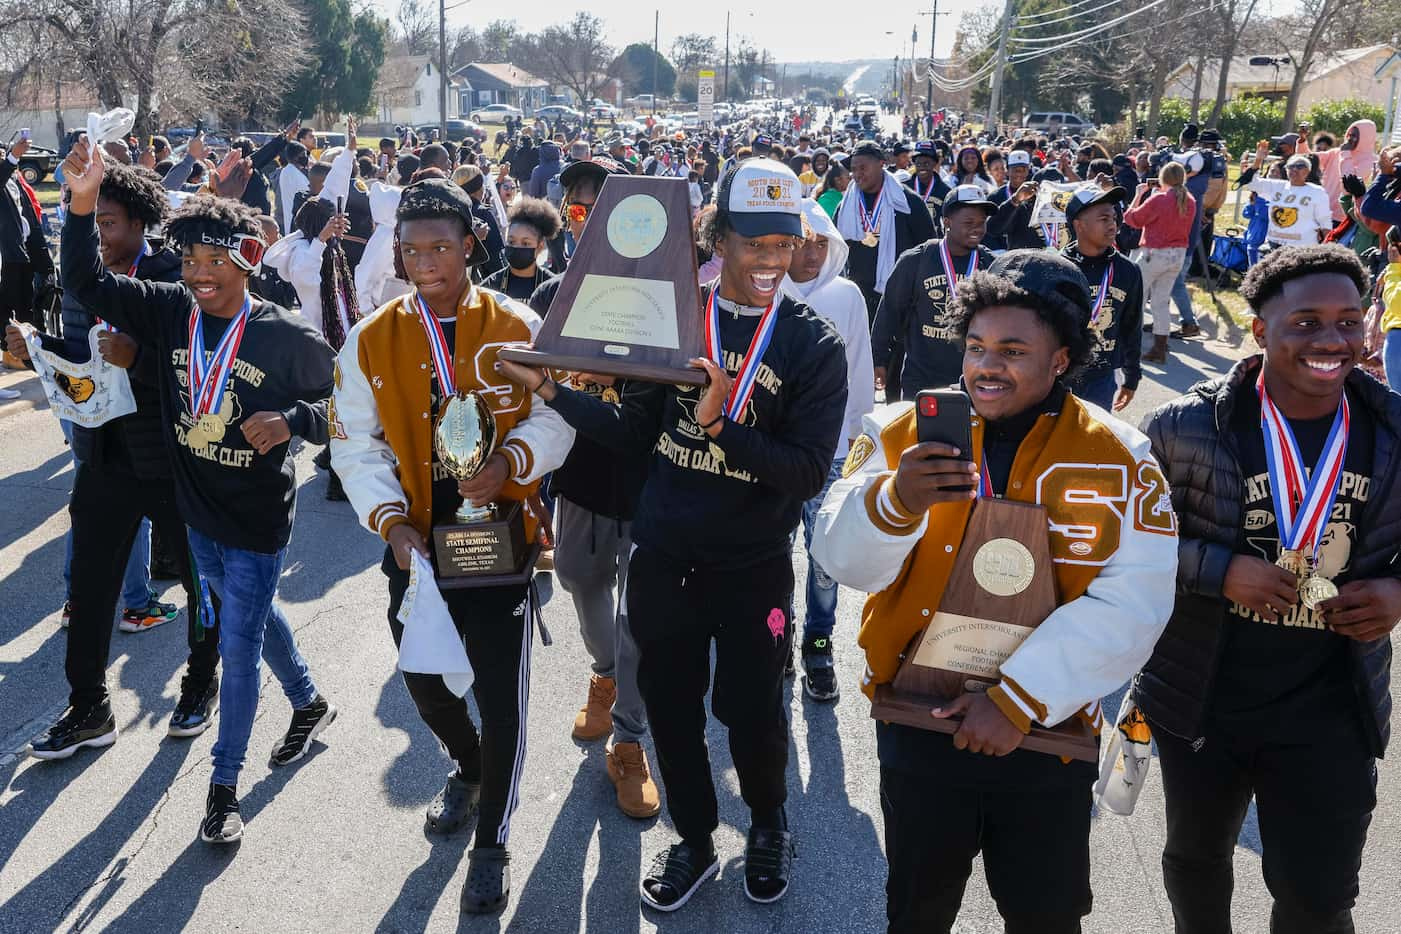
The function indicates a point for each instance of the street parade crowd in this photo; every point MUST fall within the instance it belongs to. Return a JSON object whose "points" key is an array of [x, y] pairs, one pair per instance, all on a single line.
{"points": [[1234, 557]]}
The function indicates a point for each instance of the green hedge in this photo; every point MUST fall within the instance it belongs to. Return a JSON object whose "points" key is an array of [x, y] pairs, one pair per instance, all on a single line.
{"points": [[1247, 120]]}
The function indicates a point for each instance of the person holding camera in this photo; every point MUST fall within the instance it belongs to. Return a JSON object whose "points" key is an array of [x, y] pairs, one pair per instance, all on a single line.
{"points": [[1165, 217]]}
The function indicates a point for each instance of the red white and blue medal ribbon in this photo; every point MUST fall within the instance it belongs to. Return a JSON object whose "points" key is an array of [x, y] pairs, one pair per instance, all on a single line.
{"points": [[746, 378], [924, 195], [438, 347], [984, 482], [946, 257], [207, 379], [869, 221], [1105, 282], [1052, 234], [1302, 504]]}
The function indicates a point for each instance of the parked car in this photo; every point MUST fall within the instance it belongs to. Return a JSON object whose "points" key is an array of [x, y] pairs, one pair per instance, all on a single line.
{"points": [[496, 113], [557, 112], [37, 164], [1053, 121], [602, 111], [458, 130]]}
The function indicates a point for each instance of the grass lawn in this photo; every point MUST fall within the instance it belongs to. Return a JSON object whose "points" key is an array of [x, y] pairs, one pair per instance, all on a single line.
{"points": [[47, 192]]}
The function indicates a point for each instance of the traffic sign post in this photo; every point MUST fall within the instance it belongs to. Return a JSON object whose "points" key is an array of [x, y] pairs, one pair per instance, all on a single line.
{"points": [[705, 96]]}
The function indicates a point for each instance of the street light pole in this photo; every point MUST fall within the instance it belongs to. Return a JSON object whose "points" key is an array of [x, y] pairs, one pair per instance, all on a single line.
{"points": [[656, 54], [725, 94], [995, 104], [442, 69]]}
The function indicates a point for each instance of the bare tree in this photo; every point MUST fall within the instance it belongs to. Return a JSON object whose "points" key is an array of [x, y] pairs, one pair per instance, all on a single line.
{"points": [[418, 26], [574, 55], [1232, 18]]}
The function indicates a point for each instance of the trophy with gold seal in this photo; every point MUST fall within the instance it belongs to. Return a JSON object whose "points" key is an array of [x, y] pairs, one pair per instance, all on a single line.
{"points": [[483, 546]]}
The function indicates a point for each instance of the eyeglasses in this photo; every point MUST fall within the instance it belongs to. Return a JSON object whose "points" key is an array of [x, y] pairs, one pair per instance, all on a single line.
{"points": [[578, 212]]}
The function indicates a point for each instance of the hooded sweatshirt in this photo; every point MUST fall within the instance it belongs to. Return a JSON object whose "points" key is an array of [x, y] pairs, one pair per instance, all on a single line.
{"points": [[298, 260], [548, 167], [375, 281], [839, 300], [1334, 163]]}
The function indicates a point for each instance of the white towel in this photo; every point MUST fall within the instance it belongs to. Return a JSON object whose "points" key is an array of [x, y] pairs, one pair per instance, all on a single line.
{"points": [[849, 223], [431, 643]]}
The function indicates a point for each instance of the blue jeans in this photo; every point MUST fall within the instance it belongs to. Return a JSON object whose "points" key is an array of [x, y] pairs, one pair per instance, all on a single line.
{"points": [[1180, 297], [1391, 359], [136, 583], [1099, 387], [821, 614], [251, 628]]}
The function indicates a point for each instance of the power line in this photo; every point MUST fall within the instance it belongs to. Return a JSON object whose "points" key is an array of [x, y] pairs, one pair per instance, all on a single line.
{"points": [[1028, 56], [1020, 26], [1092, 30], [1044, 13]]}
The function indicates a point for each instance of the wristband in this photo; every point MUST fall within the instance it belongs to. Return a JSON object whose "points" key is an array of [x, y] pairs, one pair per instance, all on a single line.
{"points": [[718, 418]]}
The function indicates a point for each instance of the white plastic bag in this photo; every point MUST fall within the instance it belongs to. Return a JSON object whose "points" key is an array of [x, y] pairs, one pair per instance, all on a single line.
{"points": [[431, 644]]}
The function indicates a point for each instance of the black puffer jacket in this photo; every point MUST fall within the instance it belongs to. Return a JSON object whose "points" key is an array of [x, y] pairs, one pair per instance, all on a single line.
{"points": [[1192, 442], [141, 433]]}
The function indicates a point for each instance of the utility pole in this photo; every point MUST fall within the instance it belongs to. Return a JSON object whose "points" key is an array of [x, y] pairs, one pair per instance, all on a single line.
{"points": [[995, 104], [442, 69], [656, 54], [725, 93], [933, 15]]}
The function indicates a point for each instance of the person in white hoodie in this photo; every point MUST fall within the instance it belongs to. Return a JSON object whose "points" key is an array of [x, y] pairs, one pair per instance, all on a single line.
{"points": [[815, 278], [376, 280]]}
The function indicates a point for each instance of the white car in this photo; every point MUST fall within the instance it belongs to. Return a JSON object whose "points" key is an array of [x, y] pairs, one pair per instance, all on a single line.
{"points": [[496, 113]]}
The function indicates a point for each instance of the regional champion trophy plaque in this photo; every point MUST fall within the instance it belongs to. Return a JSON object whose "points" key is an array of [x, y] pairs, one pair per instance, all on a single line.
{"points": [[1001, 588], [629, 304]]}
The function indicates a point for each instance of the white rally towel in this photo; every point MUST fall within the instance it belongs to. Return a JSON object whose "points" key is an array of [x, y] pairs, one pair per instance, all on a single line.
{"points": [[431, 644], [109, 127], [88, 394], [1051, 199], [849, 223], [1124, 765]]}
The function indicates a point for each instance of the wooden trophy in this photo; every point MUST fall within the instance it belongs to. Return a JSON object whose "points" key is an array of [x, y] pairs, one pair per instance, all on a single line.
{"points": [[629, 304], [1001, 588]]}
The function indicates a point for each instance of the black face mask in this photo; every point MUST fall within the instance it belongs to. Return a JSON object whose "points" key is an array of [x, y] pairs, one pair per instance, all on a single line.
{"points": [[520, 257]]}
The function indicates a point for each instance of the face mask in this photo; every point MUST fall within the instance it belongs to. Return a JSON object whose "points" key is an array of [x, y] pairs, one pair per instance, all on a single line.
{"points": [[520, 257]]}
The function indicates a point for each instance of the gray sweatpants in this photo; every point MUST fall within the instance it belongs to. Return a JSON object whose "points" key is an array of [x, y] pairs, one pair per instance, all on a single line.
{"points": [[591, 557]]}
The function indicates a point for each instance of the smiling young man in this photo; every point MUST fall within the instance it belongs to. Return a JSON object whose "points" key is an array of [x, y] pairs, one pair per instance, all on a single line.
{"points": [[395, 373], [914, 312], [1273, 676], [893, 527], [732, 465], [257, 375], [1117, 313], [123, 478], [928, 184]]}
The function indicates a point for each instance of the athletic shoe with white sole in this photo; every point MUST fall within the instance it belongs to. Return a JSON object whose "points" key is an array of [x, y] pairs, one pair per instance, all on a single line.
{"points": [[819, 671], [768, 861], [222, 822], [153, 614], [675, 875], [195, 711], [78, 727], [307, 724]]}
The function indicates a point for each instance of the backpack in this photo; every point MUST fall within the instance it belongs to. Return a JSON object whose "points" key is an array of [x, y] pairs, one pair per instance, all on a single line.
{"points": [[1215, 195], [554, 190]]}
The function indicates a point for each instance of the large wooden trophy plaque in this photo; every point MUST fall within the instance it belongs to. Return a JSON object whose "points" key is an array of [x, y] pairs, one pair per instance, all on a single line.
{"points": [[1001, 588], [629, 304]]}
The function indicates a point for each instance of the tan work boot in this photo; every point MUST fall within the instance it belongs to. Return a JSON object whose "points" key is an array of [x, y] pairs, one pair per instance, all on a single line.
{"points": [[595, 718], [637, 793], [1158, 353]]}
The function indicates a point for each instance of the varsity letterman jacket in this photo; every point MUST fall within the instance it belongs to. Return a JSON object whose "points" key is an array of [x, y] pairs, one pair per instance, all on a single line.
{"points": [[381, 424], [1113, 540]]}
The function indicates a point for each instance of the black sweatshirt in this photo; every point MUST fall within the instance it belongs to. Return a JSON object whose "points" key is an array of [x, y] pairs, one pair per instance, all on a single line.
{"points": [[914, 311], [1116, 340], [700, 511], [227, 492], [911, 229]]}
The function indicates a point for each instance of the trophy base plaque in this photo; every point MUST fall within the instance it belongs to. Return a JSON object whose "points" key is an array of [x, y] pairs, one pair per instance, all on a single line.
{"points": [[1001, 588], [489, 553], [628, 369]]}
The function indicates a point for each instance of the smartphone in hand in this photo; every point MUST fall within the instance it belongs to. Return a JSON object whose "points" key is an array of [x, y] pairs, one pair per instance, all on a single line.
{"points": [[945, 416]]}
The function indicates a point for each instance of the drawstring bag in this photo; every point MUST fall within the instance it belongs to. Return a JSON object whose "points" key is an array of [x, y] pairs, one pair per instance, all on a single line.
{"points": [[1124, 765]]}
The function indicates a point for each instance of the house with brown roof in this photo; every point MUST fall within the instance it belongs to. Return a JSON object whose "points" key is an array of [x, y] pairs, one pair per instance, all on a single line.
{"points": [[501, 83]]}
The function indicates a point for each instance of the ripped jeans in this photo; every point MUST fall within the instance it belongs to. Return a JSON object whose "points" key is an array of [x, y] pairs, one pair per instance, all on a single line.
{"points": [[821, 614]]}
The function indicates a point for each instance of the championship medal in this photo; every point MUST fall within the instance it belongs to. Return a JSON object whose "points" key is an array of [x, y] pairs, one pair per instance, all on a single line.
{"points": [[207, 380], [869, 221], [946, 258], [746, 378], [1303, 504], [871, 239], [610, 395]]}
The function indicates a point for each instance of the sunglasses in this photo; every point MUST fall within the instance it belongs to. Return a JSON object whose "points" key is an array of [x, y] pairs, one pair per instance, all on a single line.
{"points": [[578, 213]]}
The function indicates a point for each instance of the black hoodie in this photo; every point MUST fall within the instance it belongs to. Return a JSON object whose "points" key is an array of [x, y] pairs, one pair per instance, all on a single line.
{"points": [[1117, 339]]}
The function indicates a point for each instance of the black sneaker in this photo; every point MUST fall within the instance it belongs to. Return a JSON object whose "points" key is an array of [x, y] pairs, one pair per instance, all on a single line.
{"points": [[307, 724], [675, 875], [488, 885], [454, 806], [768, 860], [78, 727], [222, 823], [195, 711], [819, 672], [334, 491]]}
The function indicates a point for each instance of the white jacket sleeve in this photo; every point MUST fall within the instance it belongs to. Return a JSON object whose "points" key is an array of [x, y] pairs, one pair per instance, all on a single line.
{"points": [[541, 441], [376, 266], [860, 371], [861, 537], [360, 455], [304, 274], [1090, 646]]}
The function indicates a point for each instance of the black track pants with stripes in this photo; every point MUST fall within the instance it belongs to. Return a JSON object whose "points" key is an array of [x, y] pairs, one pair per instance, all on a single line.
{"points": [[492, 621]]}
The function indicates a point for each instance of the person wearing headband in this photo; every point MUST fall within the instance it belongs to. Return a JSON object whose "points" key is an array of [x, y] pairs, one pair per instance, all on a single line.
{"points": [[239, 378], [730, 466], [396, 372]]}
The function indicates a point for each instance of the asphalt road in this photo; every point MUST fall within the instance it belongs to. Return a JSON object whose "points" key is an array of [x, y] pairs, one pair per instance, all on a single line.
{"points": [[108, 840]]}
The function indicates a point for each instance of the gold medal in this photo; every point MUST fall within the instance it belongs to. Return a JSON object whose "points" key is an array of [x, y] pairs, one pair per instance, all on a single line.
{"points": [[1293, 561], [196, 439], [1314, 590], [210, 426], [610, 395], [871, 239]]}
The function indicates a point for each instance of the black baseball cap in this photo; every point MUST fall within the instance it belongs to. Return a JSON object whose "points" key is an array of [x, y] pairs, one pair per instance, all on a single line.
{"points": [[870, 148], [599, 166], [1091, 195]]}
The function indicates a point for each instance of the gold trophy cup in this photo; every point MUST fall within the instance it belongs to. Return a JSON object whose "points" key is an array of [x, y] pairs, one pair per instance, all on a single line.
{"points": [[483, 545]]}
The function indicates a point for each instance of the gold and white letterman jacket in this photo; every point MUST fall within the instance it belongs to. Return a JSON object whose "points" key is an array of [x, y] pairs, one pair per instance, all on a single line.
{"points": [[1113, 541], [380, 421]]}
